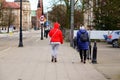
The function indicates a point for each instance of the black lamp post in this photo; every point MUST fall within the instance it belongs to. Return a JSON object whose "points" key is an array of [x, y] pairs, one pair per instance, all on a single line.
{"points": [[42, 31], [20, 34]]}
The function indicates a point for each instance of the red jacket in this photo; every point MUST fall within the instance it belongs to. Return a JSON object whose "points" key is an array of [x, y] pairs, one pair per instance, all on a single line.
{"points": [[56, 34]]}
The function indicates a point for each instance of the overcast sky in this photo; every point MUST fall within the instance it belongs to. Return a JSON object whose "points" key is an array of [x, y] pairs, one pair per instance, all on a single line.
{"points": [[34, 4]]}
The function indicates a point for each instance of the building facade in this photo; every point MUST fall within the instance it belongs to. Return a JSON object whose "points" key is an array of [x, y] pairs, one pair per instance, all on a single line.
{"points": [[9, 15], [12, 9], [26, 17]]}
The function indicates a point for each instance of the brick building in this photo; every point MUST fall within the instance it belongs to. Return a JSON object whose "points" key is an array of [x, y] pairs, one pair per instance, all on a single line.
{"points": [[39, 12]]}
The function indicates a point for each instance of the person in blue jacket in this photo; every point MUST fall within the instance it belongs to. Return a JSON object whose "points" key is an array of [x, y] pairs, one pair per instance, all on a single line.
{"points": [[82, 46]]}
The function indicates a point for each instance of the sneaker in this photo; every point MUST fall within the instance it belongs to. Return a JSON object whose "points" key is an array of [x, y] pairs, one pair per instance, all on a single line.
{"points": [[52, 59], [84, 62], [55, 59], [81, 60]]}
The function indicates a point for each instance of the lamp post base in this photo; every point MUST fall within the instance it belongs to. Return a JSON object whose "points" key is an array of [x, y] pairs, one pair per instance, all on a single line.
{"points": [[42, 31], [20, 44]]}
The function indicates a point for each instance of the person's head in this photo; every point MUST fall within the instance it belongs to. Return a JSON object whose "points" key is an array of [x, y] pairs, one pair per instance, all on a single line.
{"points": [[82, 27], [56, 25]]}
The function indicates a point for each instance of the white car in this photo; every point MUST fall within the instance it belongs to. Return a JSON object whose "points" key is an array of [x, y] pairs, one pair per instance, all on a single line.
{"points": [[113, 37]]}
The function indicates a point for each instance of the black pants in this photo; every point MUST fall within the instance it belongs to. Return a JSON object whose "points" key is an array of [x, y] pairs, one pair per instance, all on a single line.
{"points": [[83, 54], [46, 33]]}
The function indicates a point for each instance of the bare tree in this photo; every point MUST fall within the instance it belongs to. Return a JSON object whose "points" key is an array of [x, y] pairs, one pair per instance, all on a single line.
{"points": [[65, 11], [8, 17], [1, 10]]}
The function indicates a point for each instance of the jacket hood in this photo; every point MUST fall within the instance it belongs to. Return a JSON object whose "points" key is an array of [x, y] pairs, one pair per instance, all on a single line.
{"points": [[82, 30], [56, 25]]}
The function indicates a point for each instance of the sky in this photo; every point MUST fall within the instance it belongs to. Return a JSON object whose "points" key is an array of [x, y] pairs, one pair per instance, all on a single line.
{"points": [[46, 4]]}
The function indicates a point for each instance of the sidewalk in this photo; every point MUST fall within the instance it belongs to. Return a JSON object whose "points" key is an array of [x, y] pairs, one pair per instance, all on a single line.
{"points": [[34, 63]]}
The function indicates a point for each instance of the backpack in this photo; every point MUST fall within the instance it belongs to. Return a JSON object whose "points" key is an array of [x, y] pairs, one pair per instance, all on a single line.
{"points": [[84, 37]]}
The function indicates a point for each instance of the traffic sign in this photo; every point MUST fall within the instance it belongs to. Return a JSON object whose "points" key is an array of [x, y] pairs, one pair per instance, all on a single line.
{"points": [[42, 19]]}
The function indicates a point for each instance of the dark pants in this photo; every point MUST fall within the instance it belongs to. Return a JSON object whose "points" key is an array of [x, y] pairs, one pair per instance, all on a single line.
{"points": [[83, 54], [46, 33]]}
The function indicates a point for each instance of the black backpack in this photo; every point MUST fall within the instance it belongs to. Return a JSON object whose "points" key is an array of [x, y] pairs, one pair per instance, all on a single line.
{"points": [[84, 37]]}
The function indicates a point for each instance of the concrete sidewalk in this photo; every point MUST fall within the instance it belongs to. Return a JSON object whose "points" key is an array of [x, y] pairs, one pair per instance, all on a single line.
{"points": [[34, 63]]}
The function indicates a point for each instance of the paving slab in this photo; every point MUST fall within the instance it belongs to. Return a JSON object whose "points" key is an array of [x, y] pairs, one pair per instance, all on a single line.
{"points": [[34, 63]]}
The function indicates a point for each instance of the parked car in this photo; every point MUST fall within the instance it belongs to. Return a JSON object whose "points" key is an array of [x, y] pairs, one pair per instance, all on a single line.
{"points": [[113, 37]]}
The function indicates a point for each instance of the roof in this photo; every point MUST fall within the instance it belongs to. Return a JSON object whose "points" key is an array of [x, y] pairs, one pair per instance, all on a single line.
{"points": [[11, 5]]}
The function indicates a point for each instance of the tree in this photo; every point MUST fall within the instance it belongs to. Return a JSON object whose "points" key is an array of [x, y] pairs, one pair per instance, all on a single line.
{"points": [[107, 15], [78, 18], [63, 9], [58, 14], [1, 5], [66, 4]]}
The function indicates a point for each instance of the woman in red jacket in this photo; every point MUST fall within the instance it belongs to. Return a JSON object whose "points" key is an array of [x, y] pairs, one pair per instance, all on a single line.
{"points": [[56, 39]]}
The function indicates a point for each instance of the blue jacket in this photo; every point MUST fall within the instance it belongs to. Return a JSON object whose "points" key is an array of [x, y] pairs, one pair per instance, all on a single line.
{"points": [[80, 44]]}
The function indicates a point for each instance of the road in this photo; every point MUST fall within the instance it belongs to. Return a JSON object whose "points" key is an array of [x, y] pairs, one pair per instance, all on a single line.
{"points": [[12, 40], [108, 59]]}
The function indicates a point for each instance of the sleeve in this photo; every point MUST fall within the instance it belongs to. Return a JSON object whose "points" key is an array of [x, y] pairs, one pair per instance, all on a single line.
{"points": [[50, 33]]}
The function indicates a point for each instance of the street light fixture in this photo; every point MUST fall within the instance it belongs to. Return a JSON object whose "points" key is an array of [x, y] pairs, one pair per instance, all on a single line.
{"points": [[20, 34]]}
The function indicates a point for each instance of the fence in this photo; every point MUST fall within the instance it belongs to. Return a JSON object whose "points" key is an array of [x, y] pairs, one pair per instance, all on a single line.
{"points": [[95, 34]]}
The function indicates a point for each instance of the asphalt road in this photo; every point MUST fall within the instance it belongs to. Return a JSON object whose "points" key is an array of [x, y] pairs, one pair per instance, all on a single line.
{"points": [[108, 61], [12, 40]]}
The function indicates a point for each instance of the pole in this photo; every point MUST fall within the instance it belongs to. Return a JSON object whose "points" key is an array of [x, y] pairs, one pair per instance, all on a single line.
{"points": [[94, 56], [20, 34], [47, 15], [72, 22], [42, 24], [42, 31]]}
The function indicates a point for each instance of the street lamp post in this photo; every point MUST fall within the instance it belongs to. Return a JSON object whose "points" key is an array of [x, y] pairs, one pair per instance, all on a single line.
{"points": [[42, 31], [42, 23], [20, 34]]}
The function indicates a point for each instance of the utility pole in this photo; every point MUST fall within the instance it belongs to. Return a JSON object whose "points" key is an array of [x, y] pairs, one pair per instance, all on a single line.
{"points": [[72, 22]]}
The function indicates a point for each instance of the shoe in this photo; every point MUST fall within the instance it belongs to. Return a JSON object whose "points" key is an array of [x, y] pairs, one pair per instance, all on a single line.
{"points": [[81, 60], [52, 59], [55, 59], [84, 62]]}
